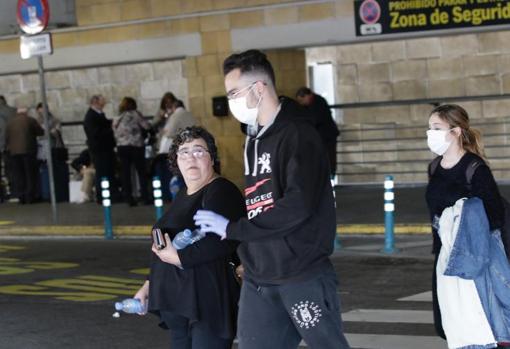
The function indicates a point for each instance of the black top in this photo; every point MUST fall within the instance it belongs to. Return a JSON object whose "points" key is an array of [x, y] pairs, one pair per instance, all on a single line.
{"points": [[99, 132], [204, 290], [446, 186], [321, 118], [291, 224]]}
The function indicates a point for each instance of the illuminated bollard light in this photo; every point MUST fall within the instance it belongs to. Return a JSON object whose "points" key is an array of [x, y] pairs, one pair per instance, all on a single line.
{"points": [[158, 200], [389, 208], [337, 244], [107, 202]]}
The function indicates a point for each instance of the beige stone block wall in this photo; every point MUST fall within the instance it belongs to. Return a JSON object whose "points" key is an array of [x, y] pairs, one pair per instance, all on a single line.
{"points": [[69, 91], [448, 66]]}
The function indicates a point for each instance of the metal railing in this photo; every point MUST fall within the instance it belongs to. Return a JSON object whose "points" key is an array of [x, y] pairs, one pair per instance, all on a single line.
{"points": [[496, 129]]}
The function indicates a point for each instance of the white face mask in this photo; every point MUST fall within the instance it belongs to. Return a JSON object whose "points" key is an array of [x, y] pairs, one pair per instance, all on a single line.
{"points": [[239, 108], [436, 140]]}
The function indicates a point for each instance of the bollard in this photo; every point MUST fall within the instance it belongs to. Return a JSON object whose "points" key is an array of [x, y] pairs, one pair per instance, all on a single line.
{"points": [[158, 201], [337, 244], [389, 208], [107, 202]]}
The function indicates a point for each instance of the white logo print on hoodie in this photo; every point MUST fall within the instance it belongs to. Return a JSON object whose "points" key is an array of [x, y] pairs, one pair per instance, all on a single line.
{"points": [[265, 162]]}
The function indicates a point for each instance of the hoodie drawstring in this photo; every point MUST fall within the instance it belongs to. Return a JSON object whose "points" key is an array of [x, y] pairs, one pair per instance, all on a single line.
{"points": [[246, 164], [255, 158]]}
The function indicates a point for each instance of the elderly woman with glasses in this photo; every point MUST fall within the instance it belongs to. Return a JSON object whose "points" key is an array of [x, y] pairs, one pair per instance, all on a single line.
{"points": [[193, 289]]}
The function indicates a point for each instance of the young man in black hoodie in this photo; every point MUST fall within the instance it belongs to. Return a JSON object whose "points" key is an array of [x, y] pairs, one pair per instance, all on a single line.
{"points": [[289, 288]]}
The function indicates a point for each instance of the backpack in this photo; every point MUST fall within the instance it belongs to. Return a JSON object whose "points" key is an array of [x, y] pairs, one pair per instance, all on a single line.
{"points": [[470, 171]]}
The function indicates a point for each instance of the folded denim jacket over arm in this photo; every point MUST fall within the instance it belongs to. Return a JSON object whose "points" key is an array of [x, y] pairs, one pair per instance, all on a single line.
{"points": [[478, 254]]}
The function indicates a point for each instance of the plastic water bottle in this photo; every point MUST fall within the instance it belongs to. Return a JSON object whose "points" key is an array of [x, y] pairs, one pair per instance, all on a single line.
{"points": [[175, 186], [131, 306], [186, 237]]}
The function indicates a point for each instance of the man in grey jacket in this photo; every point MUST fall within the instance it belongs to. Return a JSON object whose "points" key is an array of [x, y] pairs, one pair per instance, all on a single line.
{"points": [[6, 113]]}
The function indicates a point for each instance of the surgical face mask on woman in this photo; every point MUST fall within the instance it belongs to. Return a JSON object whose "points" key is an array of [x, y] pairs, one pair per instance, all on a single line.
{"points": [[239, 108], [436, 140]]}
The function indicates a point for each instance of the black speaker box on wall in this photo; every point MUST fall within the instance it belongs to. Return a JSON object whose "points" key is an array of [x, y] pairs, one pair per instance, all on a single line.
{"points": [[220, 106]]}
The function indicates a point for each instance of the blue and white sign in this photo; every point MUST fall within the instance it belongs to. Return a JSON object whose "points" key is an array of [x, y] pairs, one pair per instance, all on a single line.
{"points": [[33, 15]]}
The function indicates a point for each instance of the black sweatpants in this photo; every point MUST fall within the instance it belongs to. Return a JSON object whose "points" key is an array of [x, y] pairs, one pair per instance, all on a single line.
{"points": [[280, 316]]}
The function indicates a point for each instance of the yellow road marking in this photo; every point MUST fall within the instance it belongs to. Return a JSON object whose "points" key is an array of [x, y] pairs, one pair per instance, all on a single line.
{"points": [[343, 229], [7, 248], [144, 230], [7, 222]]}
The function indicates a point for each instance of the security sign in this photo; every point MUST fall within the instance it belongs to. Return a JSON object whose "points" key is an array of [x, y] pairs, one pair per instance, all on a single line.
{"points": [[33, 15], [379, 17]]}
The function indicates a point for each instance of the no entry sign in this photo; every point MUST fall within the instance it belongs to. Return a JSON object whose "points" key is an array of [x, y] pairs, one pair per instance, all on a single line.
{"points": [[33, 15]]}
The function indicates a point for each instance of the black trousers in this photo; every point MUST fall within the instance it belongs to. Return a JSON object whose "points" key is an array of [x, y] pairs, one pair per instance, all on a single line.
{"points": [[24, 172], [197, 335], [104, 162], [128, 156], [280, 316]]}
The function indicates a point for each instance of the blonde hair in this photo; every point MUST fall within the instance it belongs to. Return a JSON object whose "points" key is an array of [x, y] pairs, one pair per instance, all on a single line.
{"points": [[456, 116]]}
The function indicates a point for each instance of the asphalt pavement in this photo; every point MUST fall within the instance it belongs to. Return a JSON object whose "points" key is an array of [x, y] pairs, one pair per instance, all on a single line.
{"points": [[59, 282]]}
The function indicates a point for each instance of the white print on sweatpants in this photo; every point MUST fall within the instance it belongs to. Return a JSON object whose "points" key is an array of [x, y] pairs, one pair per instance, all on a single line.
{"points": [[306, 314]]}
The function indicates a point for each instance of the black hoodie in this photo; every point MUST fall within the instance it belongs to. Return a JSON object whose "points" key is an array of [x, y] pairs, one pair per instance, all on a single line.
{"points": [[291, 224]]}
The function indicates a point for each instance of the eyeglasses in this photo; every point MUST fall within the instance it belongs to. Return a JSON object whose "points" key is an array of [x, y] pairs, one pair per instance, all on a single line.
{"points": [[197, 153], [234, 94]]}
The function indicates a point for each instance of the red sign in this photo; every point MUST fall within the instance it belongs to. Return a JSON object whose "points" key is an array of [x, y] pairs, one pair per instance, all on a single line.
{"points": [[33, 15]]}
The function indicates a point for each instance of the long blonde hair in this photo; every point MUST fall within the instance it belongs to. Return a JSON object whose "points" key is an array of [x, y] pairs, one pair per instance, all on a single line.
{"points": [[456, 116]]}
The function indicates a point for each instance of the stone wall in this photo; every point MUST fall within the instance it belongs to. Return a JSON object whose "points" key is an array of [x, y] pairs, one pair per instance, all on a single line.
{"points": [[438, 67], [115, 22], [68, 91]]}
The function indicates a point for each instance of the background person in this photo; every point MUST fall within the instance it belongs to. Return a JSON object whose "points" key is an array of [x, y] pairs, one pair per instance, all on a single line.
{"points": [[322, 119], [101, 144], [199, 302], [177, 119], [289, 285], [21, 143], [128, 129], [6, 113], [86, 170], [457, 145]]}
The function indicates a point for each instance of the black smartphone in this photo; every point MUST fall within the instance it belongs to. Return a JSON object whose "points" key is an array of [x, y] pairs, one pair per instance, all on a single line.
{"points": [[158, 239]]}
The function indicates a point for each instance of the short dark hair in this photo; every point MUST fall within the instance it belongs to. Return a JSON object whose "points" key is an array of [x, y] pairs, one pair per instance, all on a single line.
{"points": [[187, 135], [167, 100], [303, 91], [2, 100], [251, 61], [127, 104], [179, 104], [95, 98]]}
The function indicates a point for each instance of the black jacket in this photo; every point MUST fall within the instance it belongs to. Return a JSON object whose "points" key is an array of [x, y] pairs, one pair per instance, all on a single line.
{"points": [[291, 224], [321, 117], [205, 290], [446, 186], [99, 132]]}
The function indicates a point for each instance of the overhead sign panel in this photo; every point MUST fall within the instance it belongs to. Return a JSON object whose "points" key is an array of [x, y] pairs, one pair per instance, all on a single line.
{"points": [[379, 17], [33, 15]]}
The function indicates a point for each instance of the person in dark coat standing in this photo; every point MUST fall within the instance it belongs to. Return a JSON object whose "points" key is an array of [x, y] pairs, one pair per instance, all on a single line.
{"points": [[101, 143], [321, 118], [21, 143], [6, 113]]}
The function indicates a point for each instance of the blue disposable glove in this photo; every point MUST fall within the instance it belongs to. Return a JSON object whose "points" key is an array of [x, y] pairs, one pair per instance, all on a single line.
{"points": [[210, 222]]}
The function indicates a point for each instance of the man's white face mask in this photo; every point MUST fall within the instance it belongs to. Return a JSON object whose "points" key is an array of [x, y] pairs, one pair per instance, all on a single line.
{"points": [[239, 107], [436, 140]]}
